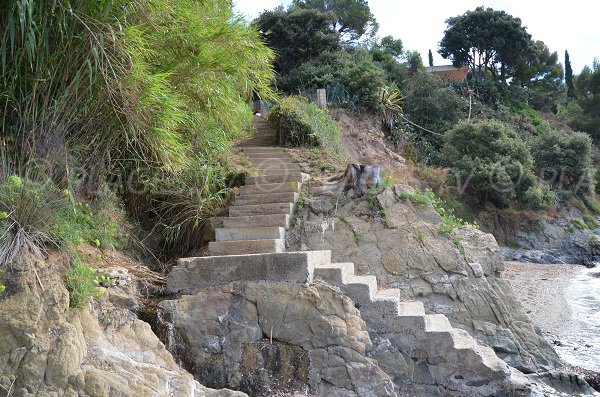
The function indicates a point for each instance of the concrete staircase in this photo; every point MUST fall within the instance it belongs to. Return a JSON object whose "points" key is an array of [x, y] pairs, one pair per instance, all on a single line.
{"points": [[261, 212], [251, 247], [407, 325]]}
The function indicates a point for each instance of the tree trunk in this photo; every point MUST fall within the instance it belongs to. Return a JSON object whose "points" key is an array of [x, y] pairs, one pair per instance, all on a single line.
{"points": [[361, 177]]}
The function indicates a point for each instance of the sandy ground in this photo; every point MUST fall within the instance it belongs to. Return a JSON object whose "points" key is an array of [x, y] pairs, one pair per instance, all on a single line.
{"points": [[540, 288]]}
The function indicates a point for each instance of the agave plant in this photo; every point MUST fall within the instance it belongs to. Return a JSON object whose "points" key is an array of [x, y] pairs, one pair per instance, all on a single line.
{"points": [[391, 102]]}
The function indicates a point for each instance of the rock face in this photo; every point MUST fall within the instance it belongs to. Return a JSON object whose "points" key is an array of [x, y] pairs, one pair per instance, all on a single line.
{"points": [[266, 338], [563, 239], [50, 350], [455, 275]]}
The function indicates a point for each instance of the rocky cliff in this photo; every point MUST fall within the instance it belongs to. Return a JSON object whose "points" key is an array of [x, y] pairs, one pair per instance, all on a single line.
{"points": [[50, 350], [453, 274]]}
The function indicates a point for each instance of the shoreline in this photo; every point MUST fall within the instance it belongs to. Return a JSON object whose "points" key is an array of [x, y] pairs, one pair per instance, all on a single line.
{"points": [[541, 289]]}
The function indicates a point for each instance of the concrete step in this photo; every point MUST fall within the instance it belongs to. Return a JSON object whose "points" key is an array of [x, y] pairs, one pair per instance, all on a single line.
{"points": [[411, 309], [271, 188], [261, 209], [280, 155], [361, 289], [278, 168], [437, 323], [246, 247], [281, 220], [262, 149], [191, 275], [335, 273], [462, 339], [249, 233], [279, 178], [278, 171], [266, 198]]}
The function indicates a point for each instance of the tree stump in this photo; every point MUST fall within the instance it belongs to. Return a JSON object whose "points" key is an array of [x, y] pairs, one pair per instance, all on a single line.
{"points": [[361, 177]]}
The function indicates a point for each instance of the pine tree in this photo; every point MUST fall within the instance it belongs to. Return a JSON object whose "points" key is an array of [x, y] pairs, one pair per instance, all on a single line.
{"points": [[430, 58], [569, 77]]}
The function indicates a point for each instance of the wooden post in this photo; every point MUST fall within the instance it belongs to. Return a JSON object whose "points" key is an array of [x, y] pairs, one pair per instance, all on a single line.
{"points": [[322, 98]]}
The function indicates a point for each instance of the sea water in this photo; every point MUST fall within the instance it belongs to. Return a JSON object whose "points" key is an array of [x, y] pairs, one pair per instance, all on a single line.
{"points": [[583, 296]]}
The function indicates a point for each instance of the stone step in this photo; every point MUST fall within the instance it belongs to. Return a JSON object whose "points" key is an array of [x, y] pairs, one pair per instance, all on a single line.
{"points": [[261, 209], [246, 247], [385, 304], [335, 273], [281, 220], [280, 178], [249, 233], [271, 188], [266, 198], [191, 275]]}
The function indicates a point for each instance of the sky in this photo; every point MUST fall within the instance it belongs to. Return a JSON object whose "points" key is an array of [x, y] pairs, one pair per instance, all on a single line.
{"points": [[568, 24]]}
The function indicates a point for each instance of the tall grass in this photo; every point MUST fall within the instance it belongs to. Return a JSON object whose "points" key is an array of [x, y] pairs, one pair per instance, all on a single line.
{"points": [[119, 86]]}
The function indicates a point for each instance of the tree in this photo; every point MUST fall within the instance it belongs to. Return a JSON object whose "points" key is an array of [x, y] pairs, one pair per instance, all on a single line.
{"points": [[430, 58], [387, 49], [487, 40], [352, 19], [569, 77], [297, 35], [587, 90], [540, 71], [489, 160], [565, 161]]}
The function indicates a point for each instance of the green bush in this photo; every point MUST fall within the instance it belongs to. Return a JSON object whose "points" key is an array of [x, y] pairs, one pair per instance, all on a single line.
{"points": [[27, 212], [83, 284], [525, 111], [490, 161], [302, 123], [431, 102], [355, 71], [538, 197], [565, 161]]}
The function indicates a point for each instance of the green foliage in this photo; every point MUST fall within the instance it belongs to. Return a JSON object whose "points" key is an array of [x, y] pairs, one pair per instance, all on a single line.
{"points": [[591, 221], [360, 77], [579, 224], [430, 57], [297, 35], [2, 288], [569, 77], [391, 104], [352, 19], [387, 49], [83, 284], [538, 197], [490, 161], [99, 224], [431, 102], [371, 197], [421, 236], [486, 40], [302, 123], [585, 113], [525, 111], [565, 161], [27, 211]]}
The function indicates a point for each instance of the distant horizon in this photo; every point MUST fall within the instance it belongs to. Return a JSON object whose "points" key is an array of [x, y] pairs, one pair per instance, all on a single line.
{"points": [[580, 37]]}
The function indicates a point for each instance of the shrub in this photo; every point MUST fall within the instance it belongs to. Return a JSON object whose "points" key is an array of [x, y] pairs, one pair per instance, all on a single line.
{"points": [[490, 161], [302, 123], [27, 212], [82, 283], [431, 102], [355, 71], [538, 197], [565, 161], [525, 111]]}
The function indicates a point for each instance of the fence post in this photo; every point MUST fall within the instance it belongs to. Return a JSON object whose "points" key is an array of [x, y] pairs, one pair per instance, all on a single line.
{"points": [[322, 98]]}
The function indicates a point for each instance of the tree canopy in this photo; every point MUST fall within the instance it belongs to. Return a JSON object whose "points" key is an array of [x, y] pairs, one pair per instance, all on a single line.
{"points": [[352, 19], [487, 40]]}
